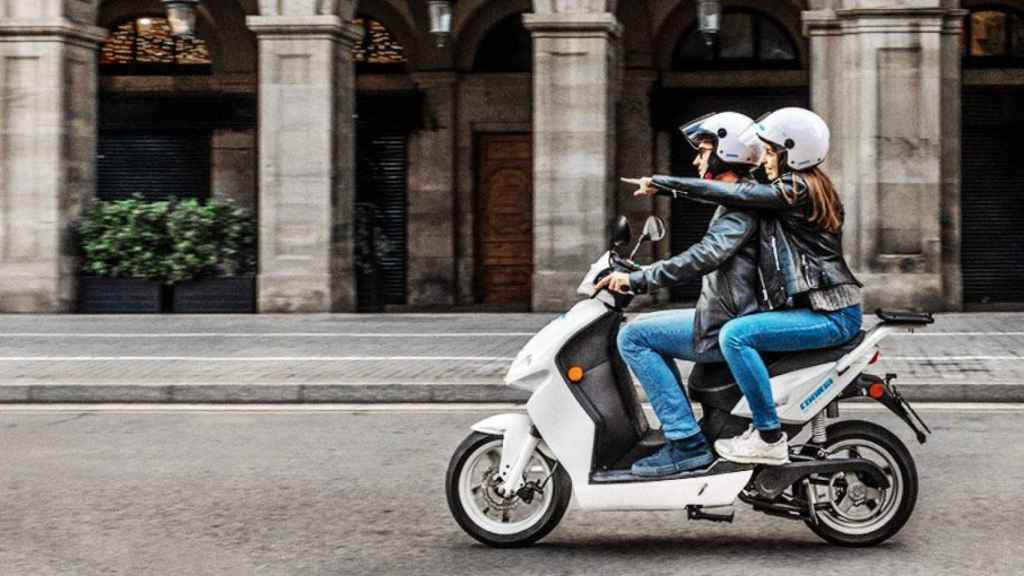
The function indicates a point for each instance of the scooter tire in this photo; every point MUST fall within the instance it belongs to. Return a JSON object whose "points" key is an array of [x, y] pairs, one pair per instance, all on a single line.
{"points": [[559, 484], [853, 430]]}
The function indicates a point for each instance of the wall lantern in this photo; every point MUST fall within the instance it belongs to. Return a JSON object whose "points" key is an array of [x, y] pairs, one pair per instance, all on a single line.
{"points": [[440, 20], [709, 13], [181, 15]]}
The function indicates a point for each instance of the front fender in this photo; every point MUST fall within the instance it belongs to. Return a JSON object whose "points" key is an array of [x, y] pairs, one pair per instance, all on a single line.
{"points": [[514, 428], [498, 424]]}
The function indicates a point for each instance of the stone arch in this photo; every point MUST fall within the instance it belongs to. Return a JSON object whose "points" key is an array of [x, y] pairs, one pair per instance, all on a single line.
{"points": [[476, 24], [638, 41], [342, 8], [669, 32], [574, 6], [399, 25], [976, 4], [221, 23]]}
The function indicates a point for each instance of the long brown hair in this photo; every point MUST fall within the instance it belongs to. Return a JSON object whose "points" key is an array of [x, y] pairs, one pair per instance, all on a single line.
{"points": [[826, 206]]}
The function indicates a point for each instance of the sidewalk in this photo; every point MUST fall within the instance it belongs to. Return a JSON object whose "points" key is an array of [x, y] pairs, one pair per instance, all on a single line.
{"points": [[412, 358]]}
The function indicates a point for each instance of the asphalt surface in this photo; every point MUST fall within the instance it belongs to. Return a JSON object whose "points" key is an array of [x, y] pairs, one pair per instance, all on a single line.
{"points": [[361, 492], [398, 358]]}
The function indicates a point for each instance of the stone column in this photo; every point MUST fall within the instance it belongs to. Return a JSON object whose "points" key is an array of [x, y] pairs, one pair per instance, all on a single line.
{"points": [[574, 88], [233, 166], [306, 163], [636, 145], [887, 82], [431, 225], [48, 115]]}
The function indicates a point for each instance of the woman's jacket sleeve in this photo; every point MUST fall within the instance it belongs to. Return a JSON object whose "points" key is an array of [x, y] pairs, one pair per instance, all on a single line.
{"points": [[784, 193], [726, 234]]}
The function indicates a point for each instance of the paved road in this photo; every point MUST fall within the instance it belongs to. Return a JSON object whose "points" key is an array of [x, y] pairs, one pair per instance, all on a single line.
{"points": [[352, 493], [410, 358]]}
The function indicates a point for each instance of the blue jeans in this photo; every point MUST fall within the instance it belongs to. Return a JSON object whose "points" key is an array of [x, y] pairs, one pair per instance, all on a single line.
{"points": [[649, 344], [779, 331]]}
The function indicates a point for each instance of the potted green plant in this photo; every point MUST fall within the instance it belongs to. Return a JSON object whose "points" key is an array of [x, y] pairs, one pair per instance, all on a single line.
{"points": [[212, 263], [124, 248]]}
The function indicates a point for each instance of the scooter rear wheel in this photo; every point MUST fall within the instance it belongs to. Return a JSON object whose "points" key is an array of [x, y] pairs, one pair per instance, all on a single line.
{"points": [[492, 518], [858, 514]]}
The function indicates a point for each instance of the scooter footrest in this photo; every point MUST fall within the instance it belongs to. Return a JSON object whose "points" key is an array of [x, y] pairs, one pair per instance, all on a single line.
{"points": [[698, 513], [625, 476]]}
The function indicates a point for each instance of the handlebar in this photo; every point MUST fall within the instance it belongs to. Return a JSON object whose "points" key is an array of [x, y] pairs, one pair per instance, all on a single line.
{"points": [[625, 265]]}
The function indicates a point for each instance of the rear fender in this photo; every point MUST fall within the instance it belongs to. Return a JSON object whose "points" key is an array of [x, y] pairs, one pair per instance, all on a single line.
{"points": [[888, 396]]}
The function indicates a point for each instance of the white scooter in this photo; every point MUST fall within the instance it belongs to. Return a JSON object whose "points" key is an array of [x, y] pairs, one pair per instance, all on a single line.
{"points": [[854, 483]]}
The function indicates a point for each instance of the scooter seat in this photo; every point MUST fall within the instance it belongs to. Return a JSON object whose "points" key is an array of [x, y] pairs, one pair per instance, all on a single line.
{"points": [[712, 384]]}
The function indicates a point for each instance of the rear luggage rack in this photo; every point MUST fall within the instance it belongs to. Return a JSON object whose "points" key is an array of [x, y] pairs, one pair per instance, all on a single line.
{"points": [[904, 317]]}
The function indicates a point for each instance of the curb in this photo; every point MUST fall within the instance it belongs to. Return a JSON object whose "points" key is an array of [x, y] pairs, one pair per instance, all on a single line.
{"points": [[386, 393]]}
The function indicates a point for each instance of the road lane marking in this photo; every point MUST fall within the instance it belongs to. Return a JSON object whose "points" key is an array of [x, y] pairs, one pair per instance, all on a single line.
{"points": [[269, 335], [905, 334], [93, 335], [859, 406], [941, 358], [388, 358], [254, 358]]}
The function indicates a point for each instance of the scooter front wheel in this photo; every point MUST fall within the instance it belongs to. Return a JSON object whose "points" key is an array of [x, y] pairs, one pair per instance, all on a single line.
{"points": [[496, 519]]}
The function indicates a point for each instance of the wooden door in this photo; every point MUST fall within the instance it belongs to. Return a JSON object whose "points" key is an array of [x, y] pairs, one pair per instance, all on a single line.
{"points": [[505, 220]]}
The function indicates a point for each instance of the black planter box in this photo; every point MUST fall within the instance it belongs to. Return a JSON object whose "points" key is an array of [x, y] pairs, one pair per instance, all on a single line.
{"points": [[98, 295], [233, 295]]}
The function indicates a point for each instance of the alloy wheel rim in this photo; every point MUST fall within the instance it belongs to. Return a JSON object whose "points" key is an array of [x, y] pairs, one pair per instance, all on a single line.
{"points": [[488, 509], [857, 508]]}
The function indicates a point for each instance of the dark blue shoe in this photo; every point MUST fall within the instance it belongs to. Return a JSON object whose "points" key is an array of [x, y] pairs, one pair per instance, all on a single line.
{"points": [[676, 456]]}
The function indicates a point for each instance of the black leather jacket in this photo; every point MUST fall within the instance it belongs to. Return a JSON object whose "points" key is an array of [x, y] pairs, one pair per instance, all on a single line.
{"points": [[796, 256], [726, 258]]}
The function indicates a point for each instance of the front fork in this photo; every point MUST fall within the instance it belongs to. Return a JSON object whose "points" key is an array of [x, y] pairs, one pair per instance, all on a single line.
{"points": [[519, 440]]}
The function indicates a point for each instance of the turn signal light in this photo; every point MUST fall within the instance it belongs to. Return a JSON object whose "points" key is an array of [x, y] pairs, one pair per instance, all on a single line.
{"points": [[875, 357], [876, 391], [575, 374]]}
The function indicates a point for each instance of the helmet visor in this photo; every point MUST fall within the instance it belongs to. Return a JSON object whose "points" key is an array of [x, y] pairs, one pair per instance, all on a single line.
{"points": [[750, 138], [761, 130], [694, 131]]}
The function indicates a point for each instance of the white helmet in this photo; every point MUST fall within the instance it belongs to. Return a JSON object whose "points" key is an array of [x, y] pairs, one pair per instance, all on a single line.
{"points": [[801, 133], [727, 129]]}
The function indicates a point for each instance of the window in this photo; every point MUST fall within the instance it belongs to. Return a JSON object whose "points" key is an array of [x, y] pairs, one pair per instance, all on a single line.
{"points": [[146, 46], [507, 48], [379, 51], [746, 40], [993, 37]]}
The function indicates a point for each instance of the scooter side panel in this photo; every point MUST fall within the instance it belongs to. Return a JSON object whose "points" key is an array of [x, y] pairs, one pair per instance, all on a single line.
{"points": [[800, 395], [538, 355], [788, 387], [805, 402], [564, 426]]}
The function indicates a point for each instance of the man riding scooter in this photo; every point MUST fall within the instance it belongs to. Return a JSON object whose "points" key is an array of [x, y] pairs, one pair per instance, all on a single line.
{"points": [[727, 259]]}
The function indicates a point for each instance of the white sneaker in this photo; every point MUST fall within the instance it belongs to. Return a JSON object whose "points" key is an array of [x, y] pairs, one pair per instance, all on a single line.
{"points": [[749, 448]]}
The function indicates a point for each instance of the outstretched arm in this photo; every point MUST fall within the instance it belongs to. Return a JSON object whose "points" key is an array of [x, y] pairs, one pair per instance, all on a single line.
{"points": [[724, 237], [779, 195]]}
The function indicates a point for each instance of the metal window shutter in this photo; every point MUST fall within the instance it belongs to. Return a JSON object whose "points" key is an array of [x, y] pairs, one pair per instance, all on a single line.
{"points": [[382, 182], [157, 165], [992, 196], [690, 219]]}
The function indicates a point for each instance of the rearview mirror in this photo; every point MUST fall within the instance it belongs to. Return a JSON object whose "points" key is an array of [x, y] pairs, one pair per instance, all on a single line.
{"points": [[654, 228], [621, 232]]}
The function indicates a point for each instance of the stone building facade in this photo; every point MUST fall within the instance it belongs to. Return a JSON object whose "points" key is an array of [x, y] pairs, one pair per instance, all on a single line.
{"points": [[492, 162]]}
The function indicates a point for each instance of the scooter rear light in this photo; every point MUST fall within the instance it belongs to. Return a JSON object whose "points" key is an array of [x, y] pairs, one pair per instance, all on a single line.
{"points": [[875, 358], [876, 391]]}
